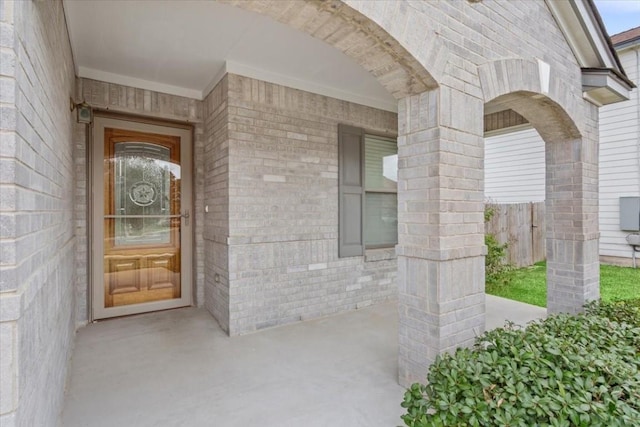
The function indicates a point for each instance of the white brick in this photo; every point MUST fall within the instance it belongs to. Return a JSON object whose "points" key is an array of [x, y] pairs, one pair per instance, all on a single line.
{"points": [[274, 178], [8, 367], [10, 306], [8, 420]]}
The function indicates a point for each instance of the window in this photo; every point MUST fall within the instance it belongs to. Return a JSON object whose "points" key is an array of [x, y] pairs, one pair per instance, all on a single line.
{"points": [[368, 174], [381, 192]]}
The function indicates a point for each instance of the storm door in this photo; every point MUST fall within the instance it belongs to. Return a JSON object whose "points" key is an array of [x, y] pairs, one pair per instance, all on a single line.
{"points": [[141, 217]]}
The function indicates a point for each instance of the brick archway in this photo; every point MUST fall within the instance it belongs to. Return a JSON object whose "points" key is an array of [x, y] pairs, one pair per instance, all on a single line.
{"points": [[534, 91], [354, 34]]}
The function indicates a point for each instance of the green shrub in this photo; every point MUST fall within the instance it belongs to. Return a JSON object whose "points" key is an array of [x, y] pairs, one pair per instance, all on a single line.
{"points": [[496, 267], [619, 311], [566, 370]]}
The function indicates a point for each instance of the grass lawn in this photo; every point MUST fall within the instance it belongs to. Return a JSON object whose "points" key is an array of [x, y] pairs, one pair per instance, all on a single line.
{"points": [[529, 284]]}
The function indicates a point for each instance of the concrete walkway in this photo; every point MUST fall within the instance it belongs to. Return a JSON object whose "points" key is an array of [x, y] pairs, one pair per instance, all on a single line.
{"points": [[177, 368], [499, 310]]}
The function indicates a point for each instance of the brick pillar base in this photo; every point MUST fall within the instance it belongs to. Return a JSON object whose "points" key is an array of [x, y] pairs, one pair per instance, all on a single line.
{"points": [[573, 274], [441, 306]]}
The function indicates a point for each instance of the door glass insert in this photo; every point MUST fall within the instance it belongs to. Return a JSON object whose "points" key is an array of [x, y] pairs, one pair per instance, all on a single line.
{"points": [[143, 176]]}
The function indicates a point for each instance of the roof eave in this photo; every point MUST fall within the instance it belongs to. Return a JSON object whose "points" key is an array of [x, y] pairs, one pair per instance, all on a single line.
{"points": [[603, 86], [584, 30], [627, 44]]}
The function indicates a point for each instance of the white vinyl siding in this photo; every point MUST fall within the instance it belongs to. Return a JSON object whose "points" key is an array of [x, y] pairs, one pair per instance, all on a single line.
{"points": [[619, 160], [514, 167]]}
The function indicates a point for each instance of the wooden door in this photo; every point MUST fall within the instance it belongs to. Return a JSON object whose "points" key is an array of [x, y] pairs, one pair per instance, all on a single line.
{"points": [[144, 217]]}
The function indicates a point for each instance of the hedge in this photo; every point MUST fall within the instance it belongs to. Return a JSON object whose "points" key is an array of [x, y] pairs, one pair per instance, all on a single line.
{"points": [[581, 370]]}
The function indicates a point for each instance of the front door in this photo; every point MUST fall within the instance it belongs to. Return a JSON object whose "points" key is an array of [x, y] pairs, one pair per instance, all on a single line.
{"points": [[141, 217]]}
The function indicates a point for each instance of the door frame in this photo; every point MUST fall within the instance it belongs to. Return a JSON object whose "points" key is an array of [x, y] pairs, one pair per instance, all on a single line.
{"points": [[96, 200]]}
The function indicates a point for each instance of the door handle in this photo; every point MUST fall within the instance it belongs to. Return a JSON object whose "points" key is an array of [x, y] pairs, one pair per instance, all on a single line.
{"points": [[186, 216]]}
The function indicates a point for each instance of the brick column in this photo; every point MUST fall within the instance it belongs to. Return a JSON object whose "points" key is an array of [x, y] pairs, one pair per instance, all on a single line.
{"points": [[573, 268], [441, 227]]}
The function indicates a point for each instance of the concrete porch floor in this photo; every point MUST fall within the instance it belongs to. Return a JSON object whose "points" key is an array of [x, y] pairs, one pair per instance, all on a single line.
{"points": [[177, 368]]}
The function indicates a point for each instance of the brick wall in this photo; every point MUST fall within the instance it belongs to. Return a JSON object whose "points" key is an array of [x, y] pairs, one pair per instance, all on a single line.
{"points": [[283, 263], [216, 197], [457, 36], [37, 186]]}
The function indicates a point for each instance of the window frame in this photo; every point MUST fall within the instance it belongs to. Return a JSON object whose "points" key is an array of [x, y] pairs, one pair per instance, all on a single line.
{"points": [[351, 192]]}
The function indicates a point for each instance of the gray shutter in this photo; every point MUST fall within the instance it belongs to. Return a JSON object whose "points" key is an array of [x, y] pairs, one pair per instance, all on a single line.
{"points": [[351, 190]]}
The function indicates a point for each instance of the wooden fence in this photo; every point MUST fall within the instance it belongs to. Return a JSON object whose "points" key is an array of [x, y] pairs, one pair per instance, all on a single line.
{"points": [[521, 225]]}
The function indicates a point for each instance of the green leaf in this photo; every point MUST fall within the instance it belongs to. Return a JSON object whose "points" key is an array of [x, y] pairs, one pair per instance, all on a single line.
{"points": [[565, 371]]}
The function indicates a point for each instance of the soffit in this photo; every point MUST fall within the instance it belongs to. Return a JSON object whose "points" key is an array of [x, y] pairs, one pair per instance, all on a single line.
{"points": [[584, 33], [185, 47], [584, 30]]}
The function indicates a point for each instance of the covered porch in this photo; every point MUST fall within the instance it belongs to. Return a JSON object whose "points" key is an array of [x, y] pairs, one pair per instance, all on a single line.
{"points": [[268, 224], [178, 367]]}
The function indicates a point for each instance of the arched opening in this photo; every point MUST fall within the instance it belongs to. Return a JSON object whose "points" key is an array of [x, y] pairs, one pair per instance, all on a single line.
{"points": [[354, 34], [570, 193]]}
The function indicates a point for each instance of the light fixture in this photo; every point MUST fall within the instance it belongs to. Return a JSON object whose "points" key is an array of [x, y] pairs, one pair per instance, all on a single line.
{"points": [[84, 113]]}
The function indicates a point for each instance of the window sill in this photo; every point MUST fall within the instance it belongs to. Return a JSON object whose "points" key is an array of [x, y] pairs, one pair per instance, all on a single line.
{"points": [[382, 254]]}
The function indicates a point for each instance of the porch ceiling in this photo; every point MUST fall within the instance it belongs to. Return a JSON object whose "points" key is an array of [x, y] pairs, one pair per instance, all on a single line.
{"points": [[185, 47]]}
